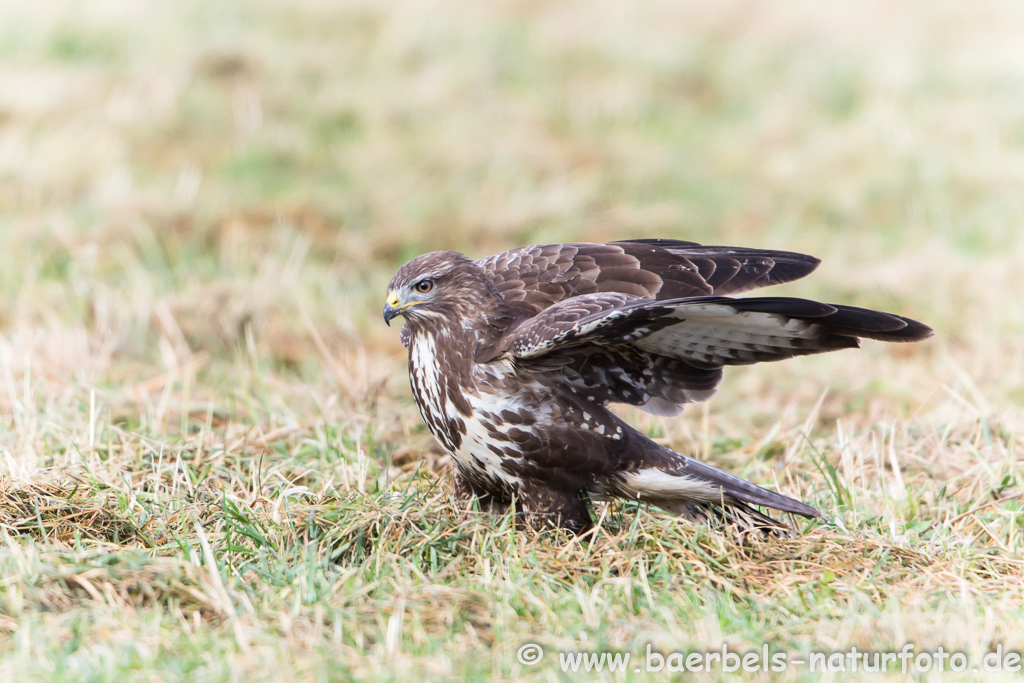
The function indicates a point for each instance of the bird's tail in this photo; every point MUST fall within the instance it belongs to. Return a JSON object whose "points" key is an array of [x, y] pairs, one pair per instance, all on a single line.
{"points": [[677, 483], [736, 516]]}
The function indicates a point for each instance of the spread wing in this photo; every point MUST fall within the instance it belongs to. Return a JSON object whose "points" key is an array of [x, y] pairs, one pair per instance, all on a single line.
{"points": [[542, 275], [660, 355], [545, 274]]}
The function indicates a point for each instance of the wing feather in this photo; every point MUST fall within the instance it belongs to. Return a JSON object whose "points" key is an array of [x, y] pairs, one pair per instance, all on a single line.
{"points": [[661, 269], [659, 355]]}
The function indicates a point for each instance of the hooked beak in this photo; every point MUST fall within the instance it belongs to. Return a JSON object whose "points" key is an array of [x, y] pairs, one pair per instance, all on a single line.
{"points": [[391, 308]]}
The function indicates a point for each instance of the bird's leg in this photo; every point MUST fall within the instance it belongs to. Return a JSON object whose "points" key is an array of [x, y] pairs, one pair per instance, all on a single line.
{"points": [[543, 506], [469, 494]]}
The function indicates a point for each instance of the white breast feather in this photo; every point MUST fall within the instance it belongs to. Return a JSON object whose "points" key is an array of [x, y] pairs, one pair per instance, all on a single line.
{"points": [[473, 451]]}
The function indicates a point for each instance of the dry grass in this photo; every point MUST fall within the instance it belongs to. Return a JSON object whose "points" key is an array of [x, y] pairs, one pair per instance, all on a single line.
{"points": [[210, 465]]}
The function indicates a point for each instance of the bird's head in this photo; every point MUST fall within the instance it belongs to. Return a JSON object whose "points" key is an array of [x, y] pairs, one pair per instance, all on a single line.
{"points": [[442, 283]]}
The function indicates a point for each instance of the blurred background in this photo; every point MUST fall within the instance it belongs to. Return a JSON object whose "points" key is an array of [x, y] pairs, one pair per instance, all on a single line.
{"points": [[200, 198], [197, 199], [239, 163], [201, 204]]}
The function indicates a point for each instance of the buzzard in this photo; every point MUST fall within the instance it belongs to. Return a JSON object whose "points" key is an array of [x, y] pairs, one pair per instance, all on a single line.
{"points": [[515, 358]]}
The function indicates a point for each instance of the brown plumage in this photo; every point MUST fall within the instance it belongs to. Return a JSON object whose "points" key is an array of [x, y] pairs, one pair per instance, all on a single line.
{"points": [[514, 359]]}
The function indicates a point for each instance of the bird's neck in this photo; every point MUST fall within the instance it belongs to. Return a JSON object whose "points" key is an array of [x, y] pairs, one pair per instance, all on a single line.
{"points": [[465, 333], [444, 346], [440, 373], [449, 344]]}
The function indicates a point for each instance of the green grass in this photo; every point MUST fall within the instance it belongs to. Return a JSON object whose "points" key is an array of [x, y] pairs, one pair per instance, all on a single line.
{"points": [[210, 464]]}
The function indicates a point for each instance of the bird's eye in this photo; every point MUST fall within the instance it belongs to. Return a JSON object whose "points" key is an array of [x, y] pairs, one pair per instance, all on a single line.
{"points": [[423, 286]]}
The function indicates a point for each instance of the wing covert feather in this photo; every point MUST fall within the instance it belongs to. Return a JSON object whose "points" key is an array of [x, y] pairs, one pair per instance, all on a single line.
{"points": [[661, 269]]}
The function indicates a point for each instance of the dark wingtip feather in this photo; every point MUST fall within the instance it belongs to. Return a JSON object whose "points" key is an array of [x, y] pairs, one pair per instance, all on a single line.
{"points": [[877, 325], [788, 266], [914, 331], [761, 267], [840, 320], [738, 269]]}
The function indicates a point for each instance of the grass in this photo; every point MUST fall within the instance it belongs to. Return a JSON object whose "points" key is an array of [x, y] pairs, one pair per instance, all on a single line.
{"points": [[210, 464]]}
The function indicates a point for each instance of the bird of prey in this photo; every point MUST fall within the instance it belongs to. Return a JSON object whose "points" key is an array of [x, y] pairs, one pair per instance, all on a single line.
{"points": [[515, 358]]}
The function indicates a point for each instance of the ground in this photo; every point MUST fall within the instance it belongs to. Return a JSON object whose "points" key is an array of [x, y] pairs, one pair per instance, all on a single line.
{"points": [[211, 467]]}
